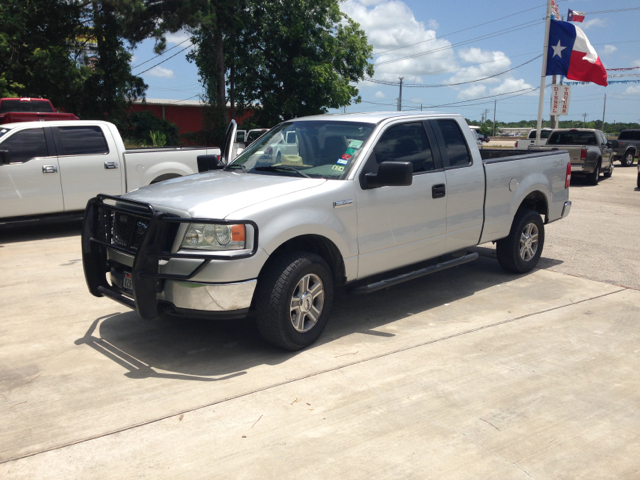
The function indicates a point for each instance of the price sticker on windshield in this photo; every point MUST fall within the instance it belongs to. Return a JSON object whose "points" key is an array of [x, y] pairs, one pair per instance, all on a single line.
{"points": [[355, 144]]}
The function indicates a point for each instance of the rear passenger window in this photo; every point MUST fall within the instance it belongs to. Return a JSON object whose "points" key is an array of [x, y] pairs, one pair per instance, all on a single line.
{"points": [[405, 143], [455, 145], [85, 140], [25, 145]]}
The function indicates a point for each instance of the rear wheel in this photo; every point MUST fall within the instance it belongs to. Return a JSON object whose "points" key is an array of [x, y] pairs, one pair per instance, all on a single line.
{"points": [[521, 250], [638, 181], [627, 159], [594, 177], [294, 299]]}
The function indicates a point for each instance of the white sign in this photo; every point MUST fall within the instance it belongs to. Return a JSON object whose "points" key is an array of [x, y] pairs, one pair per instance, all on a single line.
{"points": [[560, 96]]}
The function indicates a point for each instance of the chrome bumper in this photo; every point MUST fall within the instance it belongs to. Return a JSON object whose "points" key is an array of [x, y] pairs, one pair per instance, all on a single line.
{"points": [[566, 209], [209, 297], [577, 168]]}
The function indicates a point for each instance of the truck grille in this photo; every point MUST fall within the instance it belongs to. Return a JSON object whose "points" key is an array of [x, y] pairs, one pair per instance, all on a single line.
{"points": [[127, 230]]}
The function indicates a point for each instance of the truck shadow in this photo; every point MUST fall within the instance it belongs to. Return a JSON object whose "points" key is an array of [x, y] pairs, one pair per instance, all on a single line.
{"points": [[202, 350], [41, 229]]}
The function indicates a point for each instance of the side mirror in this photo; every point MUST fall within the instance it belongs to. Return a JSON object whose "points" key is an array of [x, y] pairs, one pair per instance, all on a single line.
{"points": [[208, 162], [4, 157], [391, 174], [612, 144]]}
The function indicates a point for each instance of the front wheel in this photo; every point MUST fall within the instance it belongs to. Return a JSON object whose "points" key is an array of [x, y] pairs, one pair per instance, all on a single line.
{"points": [[609, 172], [294, 299], [627, 159], [521, 250]]}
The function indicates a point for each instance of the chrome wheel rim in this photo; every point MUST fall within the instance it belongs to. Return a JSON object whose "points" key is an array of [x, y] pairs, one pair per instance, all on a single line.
{"points": [[307, 302], [529, 242]]}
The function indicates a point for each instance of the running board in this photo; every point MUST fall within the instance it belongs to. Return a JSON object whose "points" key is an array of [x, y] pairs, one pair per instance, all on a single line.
{"points": [[389, 282]]}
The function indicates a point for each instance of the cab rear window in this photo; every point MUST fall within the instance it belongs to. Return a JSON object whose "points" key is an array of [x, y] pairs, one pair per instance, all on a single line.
{"points": [[572, 138]]}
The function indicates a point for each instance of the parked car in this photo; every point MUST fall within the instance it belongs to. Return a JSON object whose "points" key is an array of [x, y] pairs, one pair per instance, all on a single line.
{"points": [[55, 167], [628, 147], [286, 144], [247, 137], [368, 201], [531, 139], [13, 110], [589, 149]]}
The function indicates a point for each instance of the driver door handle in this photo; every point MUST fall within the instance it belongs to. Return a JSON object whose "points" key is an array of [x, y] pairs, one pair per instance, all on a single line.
{"points": [[49, 169], [438, 191], [110, 165]]}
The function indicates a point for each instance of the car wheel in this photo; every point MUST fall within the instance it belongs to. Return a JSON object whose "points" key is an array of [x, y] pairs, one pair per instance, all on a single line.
{"points": [[294, 299], [278, 158], [638, 181], [594, 177], [521, 250], [609, 172], [627, 159]]}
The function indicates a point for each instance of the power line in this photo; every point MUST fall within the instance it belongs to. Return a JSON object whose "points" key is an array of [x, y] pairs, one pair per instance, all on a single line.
{"points": [[463, 30], [160, 54], [166, 59], [515, 28], [417, 85]]}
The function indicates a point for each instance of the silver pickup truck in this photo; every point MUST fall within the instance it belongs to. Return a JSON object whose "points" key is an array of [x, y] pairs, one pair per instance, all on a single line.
{"points": [[367, 201], [589, 149]]}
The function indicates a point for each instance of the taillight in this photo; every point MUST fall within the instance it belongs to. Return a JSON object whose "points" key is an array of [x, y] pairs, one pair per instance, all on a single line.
{"points": [[516, 144], [583, 154], [269, 151], [567, 178]]}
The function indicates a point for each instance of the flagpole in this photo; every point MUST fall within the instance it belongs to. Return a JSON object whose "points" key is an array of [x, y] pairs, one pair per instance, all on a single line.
{"points": [[543, 79]]}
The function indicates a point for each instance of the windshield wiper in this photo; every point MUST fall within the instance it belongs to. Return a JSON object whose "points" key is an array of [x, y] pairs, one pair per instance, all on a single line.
{"points": [[241, 165], [275, 168]]}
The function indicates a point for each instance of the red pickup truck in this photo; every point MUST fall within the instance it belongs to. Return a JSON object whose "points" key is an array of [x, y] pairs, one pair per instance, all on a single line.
{"points": [[14, 110]]}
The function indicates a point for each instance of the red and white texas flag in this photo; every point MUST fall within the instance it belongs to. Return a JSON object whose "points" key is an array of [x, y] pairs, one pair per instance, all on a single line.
{"points": [[570, 54]]}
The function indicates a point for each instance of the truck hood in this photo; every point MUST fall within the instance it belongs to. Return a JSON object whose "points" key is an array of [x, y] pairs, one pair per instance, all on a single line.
{"points": [[218, 194]]}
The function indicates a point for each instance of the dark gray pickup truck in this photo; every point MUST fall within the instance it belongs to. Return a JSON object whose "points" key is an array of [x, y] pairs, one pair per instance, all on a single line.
{"points": [[628, 147], [589, 149]]}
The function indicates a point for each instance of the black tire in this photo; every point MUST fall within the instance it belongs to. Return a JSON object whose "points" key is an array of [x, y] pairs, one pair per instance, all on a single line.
{"points": [[512, 252], [279, 286], [627, 159], [594, 177], [609, 172], [638, 181]]}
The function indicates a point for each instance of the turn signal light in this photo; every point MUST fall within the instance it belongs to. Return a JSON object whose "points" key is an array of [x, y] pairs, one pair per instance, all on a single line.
{"points": [[237, 233], [567, 179]]}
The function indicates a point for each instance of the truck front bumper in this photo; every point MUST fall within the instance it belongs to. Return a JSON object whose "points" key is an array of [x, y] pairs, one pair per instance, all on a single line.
{"points": [[111, 234]]}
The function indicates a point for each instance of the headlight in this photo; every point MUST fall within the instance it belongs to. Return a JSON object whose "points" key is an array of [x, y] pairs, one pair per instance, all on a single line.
{"points": [[215, 237]]}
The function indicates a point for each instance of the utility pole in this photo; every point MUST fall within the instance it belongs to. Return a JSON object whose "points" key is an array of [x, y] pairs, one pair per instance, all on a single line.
{"points": [[585, 117], [604, 109], [400, 97], [495, 106], [543, 75]]}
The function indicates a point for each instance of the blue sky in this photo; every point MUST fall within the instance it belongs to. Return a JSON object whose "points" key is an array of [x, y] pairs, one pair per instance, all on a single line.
{"points": [[471, 41]]}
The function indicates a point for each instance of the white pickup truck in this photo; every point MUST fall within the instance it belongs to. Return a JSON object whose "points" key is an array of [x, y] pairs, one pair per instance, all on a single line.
{"points": [[56, 167], [365, 202]]}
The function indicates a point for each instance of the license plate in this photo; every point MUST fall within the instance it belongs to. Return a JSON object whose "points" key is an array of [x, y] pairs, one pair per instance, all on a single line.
{"points": [[127, 282]]}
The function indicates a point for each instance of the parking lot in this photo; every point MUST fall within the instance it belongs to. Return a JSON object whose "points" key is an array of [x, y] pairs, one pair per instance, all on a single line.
{"points": [[467, 373]]}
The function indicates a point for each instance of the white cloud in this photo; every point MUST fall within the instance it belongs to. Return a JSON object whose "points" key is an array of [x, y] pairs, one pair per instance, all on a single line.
{"points": [[161, 72], [609, 49], [635, 63], [635, 90], [472, 92], [510, 85], [379, 94], [594, 22], [390, 24], [433, 24], [178, 37], [488, 63]]}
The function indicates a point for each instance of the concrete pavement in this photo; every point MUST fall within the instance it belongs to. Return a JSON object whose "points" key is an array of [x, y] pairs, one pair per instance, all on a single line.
{"points": [[468, 373]]}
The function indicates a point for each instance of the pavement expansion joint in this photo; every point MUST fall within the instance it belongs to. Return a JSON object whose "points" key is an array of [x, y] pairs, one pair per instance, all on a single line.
{"points": [[311, 375]]}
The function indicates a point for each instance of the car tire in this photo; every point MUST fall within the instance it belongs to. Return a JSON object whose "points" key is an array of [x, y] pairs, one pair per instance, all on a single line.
{"points": [[609, 172], [627, 159], [638, 181], [521, 250], [293, 300], [594, 177]]}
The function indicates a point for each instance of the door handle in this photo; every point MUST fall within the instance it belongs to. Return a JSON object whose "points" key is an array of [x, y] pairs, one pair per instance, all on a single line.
{"points": [[49, 169], [438, 191], [110, 165]]}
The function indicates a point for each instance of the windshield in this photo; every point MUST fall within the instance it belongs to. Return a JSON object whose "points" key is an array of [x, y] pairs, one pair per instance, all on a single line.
{"points": [[572, 137], [25, 106], [317, 149]]}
